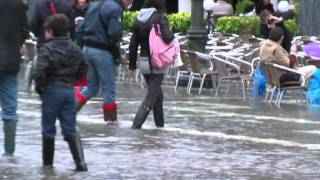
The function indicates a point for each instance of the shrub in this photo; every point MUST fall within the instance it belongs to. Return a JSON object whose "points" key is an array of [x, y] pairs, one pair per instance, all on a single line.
{"points": [[179, 22], [128, 19], [292, 26], [296, 8], [228, 24], [242, 6], [249, 24]]}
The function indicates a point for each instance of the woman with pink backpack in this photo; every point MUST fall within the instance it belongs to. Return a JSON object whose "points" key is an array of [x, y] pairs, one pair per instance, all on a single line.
{"points": [[151, 14]]}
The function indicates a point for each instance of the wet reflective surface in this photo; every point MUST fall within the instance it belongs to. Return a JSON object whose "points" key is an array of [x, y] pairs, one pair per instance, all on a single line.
{"points": [[204, 138]]}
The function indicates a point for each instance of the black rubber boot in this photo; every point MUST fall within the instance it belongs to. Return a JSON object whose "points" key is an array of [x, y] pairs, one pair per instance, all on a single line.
{"points": [[47, 152], [75, 146], [158, 112], [9, 129], [141, 116]]}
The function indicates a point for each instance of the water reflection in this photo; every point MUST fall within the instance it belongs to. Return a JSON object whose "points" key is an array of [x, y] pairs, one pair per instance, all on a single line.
{"points": [[204, 138]]}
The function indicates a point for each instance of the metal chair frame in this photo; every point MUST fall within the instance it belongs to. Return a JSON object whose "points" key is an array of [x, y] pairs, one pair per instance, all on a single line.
{"points": [[197, 73]]}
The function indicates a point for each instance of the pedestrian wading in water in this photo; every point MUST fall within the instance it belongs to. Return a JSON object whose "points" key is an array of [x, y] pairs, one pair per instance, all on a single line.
{"points": [[101, 31], [149, 15], [13, 32], [60, 64]]}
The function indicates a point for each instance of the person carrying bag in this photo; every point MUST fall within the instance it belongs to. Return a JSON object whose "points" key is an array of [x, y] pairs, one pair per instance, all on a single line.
{"points": [[150, 16]]}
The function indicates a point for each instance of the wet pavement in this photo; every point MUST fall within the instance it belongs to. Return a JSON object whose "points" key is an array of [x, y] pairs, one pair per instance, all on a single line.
{"points": [[204, 138]]}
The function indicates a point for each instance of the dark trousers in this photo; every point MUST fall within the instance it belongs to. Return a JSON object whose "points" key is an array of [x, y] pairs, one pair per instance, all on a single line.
{"points": [[58, 102], [154, 97]]}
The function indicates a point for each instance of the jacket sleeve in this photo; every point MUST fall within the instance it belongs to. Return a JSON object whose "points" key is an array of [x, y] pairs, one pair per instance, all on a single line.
{"points": [[42, 64], [24, 27], [264, 30], [167, 34], [35, 22], [133, 50], [115, 24], [72, 28], [79, 35], [83, 67]]}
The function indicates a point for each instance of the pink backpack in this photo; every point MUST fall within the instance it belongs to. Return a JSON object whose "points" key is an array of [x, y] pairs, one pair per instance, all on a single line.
{"points": [[162, 54]]}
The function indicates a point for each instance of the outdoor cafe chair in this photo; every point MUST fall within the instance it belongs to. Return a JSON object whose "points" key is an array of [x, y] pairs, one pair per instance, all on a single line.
{"points": [[183, 71], [229, 70], [274, 72], [123, 66], [198, 71]]}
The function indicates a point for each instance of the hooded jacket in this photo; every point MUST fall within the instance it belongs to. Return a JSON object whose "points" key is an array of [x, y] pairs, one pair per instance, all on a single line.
{"points": [[60, 61], [141, 30]]}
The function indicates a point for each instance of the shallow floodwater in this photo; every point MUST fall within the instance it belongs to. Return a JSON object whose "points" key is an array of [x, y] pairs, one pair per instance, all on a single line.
{"points": [[204, 138]]}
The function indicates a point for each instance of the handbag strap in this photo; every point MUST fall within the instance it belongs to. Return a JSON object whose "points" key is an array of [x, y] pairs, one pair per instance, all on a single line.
{"points": [[156, 26]]}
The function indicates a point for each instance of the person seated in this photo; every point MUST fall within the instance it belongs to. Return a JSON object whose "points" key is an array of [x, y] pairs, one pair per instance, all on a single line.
{"points": [[272, 52], [222, 8], [268, 22]]}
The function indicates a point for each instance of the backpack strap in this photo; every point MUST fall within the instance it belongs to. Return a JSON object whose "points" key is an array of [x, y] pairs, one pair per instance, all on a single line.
{"points": [[53, 8], [156, 25]]}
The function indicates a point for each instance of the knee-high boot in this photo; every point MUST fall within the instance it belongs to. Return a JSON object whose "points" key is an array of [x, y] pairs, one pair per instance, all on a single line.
{"points": [[47, 152], [158, 112], [110, 112], [75, 146], [9, 129], [141, 116]]}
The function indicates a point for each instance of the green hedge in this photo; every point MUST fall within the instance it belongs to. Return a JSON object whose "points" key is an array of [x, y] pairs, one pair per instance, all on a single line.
{"points": [[248, 24], [292, 26], [242, 5], [128, 19], [179, 22]]}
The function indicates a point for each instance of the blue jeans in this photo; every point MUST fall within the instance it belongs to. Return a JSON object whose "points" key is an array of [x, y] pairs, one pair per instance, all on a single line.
{"points": [[8, 95], [58, 102], [101, 71]]}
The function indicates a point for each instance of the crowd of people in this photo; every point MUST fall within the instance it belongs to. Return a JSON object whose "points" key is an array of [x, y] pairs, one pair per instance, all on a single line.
{"points": [[61, 62]]}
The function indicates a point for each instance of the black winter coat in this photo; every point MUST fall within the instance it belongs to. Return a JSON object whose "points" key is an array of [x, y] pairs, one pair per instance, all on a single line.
{"points": [[260, 7], [42, 11], [287, 36], [80, 11], [60, 61], [13, 32], [140, 36]]}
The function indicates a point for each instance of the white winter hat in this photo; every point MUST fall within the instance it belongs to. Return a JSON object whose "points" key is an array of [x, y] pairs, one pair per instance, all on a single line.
{"points": [[283, 6]]}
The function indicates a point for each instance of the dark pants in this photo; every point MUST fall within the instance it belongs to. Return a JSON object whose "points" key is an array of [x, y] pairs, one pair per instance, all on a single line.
{"points": [[58, 102], [154, 98]]}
